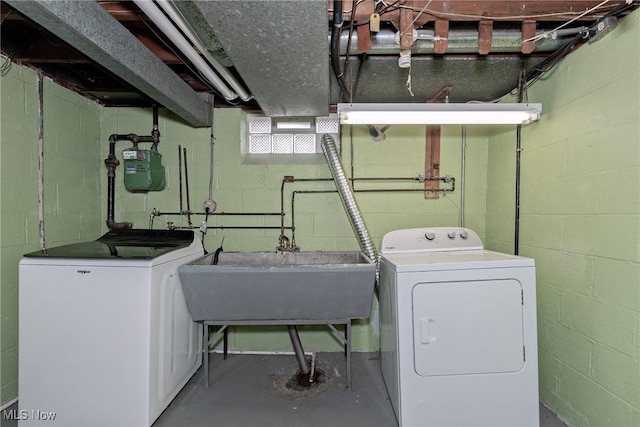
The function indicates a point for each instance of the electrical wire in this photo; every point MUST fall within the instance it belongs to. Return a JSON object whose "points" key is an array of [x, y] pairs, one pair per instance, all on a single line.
{"points": [[546, 33], [552, 60], [335, 47]]}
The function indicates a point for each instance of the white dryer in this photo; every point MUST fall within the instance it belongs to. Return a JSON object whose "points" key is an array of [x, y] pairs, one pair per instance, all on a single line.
{"points": [[458, 330], [105, 335]]}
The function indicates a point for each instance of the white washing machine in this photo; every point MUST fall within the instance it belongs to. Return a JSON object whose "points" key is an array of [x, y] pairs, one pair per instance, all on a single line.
{"points": [[105, 335], [458, 330]]}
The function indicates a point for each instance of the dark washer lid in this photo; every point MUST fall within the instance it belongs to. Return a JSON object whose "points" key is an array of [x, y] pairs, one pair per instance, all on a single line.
{"points": [[123, 244]]}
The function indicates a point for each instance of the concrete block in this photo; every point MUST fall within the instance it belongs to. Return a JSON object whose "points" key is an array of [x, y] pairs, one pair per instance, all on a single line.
{"points": [[618, 104], [596, 404], [379, 225], [14, 231], [548, 367], [618, 282], [552, 156], [9, 325], [567, 413], [619, 191], [566, 345], [585, 234], [9, 365], [543, 231], [500, 227], [569, 195], [549, 300], [601, 321], [617, 372], [333, 225], [565, 270], [261, 200], [606, 148]]}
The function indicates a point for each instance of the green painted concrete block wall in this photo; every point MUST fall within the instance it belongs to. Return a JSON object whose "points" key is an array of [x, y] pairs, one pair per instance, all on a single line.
{"points": [[580, 220], [72, 202], [242, 185], [580, 209]]}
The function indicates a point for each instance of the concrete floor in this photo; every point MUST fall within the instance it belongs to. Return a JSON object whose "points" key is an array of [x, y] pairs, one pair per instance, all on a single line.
{"points": [[251, 391]]}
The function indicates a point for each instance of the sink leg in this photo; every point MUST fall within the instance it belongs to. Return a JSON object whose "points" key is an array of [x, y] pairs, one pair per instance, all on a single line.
{"points": [[205, 353], [347, 350], [225, 343]]}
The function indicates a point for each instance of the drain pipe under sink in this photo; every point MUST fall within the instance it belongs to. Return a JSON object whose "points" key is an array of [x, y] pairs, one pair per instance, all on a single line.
{"points": [[297, 348]]}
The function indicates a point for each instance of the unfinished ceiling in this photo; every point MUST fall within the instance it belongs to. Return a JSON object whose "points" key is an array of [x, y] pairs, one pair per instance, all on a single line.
{"points": [[296, 58]]}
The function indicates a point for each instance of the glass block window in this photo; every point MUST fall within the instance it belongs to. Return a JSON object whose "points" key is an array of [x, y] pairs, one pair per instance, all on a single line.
{"points": [[289, 135]]}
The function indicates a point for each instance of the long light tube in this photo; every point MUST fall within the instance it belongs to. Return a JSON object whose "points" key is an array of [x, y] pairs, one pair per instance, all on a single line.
{"points": [[443, 114], [170, 9], [155, 14]]}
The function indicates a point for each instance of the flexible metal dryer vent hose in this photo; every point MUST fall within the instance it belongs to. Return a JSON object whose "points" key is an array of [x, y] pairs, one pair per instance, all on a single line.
{"points": [[349, 202]]}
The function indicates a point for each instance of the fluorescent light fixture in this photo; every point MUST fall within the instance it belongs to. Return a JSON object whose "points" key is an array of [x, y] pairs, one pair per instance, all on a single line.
{"points": [[438, 114]]}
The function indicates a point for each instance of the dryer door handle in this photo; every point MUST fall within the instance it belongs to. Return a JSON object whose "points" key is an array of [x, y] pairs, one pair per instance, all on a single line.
{"points": [[427, 330]]}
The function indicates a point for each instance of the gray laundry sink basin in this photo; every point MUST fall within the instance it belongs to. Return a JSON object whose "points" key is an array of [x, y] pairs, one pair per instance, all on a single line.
{"points": [[268, 286]]}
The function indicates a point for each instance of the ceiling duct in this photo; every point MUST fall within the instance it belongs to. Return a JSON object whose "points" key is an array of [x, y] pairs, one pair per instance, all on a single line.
{"points": [[280, 50], [90, 29]]}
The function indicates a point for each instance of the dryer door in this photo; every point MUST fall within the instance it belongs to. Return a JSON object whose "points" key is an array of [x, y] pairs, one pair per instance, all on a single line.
{"points": [[468, 327]]}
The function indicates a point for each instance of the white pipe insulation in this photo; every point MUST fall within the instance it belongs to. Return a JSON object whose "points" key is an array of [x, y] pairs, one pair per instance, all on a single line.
{"points": [[163, 23], [182, 24]]}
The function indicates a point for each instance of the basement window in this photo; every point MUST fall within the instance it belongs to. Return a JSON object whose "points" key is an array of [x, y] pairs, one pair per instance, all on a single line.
{"points": [[288, 139]]}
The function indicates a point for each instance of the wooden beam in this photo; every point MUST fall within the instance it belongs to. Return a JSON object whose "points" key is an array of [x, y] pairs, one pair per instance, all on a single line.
{"points": [[432, 162], [441, 41], [528, 33], [485, 35], [406, 26]]}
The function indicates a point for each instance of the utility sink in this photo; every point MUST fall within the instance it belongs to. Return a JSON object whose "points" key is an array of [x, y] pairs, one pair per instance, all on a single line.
{"points": [[275, 286]]}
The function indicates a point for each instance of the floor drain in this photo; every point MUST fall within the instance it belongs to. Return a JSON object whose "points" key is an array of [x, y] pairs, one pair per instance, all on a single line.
{"points": [[296, 385], [300, 381]]}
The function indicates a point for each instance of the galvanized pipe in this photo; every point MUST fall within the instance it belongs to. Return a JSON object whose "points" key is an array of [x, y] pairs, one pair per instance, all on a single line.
{"points": [[463, 167], [348, 200], [458, 42]]}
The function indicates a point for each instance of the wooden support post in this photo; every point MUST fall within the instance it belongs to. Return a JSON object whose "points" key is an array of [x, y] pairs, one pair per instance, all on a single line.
{"points": [[528, 32], [485, 35], [432, 162], [441, 41], [406, 26]]}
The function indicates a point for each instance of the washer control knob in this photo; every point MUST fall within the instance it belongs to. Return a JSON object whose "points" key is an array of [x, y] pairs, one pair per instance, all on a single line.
{"points": [[451, 234], [430, 235], [464, 234]]}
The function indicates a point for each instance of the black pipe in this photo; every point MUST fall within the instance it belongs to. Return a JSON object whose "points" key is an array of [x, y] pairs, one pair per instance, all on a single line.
{"points": [[186, 182], [516, 225], [335, 48], [180, 174], [111, 162]]}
